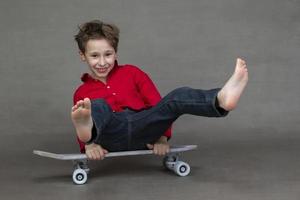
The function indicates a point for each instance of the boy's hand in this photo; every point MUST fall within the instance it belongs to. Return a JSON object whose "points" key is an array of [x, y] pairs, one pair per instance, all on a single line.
{"points": [[161, 146], [95, 151]]}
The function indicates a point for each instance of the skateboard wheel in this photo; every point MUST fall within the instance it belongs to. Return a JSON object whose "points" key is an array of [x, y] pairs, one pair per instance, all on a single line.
{"points": [[79, 176], [182, 168]]}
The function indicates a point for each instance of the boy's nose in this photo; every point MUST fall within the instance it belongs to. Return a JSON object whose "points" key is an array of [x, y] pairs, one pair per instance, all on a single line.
{"points": [[101, 62]]}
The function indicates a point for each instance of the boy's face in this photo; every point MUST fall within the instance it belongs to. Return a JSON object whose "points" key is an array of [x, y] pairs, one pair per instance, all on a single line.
{"points": [[100, 57]]}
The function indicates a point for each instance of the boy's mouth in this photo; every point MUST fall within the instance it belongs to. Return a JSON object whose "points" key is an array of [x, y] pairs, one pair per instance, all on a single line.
{"points": [[102, 69]]}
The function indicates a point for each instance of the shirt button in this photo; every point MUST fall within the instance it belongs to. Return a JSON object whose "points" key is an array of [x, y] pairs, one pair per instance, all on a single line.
{"points": [[108, 87], [114, 111], [114, 93]]}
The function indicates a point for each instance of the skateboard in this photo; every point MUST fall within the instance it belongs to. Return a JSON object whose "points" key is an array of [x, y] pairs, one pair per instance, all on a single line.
{"points": [[80, 174]]}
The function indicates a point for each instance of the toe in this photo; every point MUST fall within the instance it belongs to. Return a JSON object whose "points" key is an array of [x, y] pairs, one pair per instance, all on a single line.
{"points": [[73, 108], [79, 103], [87, 103]]}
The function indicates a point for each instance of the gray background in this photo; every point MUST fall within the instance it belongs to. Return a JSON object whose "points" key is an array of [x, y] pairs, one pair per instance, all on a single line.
{"points": [[251, 154]]}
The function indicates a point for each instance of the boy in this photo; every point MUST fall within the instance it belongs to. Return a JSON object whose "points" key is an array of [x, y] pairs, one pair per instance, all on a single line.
{"points": [[118, 107]]}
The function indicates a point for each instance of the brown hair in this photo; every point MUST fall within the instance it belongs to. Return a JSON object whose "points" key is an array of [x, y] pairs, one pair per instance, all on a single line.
{"points": [[97, 29]]}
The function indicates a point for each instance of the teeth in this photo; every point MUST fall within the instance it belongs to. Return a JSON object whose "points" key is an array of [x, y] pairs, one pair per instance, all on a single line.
{"points": [[102, 69]]}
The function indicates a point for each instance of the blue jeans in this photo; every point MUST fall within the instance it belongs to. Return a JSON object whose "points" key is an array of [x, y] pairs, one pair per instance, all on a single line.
{"points": [[132, 130]]}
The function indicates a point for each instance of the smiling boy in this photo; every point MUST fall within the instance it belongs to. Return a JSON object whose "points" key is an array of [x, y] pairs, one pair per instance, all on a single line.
{"points": [[118, 107]]}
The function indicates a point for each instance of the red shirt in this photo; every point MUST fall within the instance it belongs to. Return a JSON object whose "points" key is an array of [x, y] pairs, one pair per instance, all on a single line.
{"points": [[126, 86]]}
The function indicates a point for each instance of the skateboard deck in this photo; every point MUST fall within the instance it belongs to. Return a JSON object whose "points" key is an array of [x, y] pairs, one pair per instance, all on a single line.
{"points": [[171, 160], [80, 156]]}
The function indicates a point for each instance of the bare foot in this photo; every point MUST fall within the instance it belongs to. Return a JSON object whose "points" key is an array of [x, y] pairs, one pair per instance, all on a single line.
{"points": [[230, 94], [82, 120]]}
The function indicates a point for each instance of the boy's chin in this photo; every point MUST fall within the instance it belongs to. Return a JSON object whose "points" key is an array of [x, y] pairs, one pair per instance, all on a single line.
{"points": [[101, 76], [98, 76]]}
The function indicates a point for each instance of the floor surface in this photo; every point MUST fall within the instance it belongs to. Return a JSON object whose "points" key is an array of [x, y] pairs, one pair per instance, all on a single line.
{"points": [[265, 169]]}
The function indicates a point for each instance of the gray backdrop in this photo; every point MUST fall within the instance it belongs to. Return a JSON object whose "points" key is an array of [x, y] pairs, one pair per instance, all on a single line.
{"points": [[178, 43]]}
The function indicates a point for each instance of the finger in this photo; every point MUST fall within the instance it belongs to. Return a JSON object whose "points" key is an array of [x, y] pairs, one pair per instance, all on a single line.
{"points": [[150, 146], [168, 149], [98, 154], [163, 151], [105, 151], [159, 150], [93, 155], [102, 155], [155, 149], [89, 155]]}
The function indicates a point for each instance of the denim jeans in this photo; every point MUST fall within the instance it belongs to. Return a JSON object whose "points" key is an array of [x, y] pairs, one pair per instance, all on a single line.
{"points": [[132, 130]]}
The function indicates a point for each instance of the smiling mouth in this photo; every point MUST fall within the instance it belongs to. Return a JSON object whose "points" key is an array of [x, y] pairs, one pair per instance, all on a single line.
{"points": [[102, 69]]}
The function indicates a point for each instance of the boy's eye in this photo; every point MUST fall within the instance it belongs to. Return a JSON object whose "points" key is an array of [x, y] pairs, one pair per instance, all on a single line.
{"points": [[94, 56]]}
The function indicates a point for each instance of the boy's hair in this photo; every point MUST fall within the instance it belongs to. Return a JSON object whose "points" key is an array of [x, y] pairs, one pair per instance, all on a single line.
{"points": [[97, 29]]}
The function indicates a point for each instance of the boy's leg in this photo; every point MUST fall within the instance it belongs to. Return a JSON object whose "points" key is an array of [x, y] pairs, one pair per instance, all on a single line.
{"points": [[82, 120], [95, 122], [87, 115], [149, 125]]}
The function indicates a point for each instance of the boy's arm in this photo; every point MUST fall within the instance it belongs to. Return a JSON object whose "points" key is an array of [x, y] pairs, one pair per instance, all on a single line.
{"points": [[149, 93]]}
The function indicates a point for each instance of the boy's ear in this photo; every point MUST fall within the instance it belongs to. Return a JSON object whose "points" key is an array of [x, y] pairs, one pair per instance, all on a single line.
{"points": [[82, 57]]}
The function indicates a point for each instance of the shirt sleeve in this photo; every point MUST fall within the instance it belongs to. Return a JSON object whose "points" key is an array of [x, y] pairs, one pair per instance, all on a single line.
{"points": [[149, 93]]}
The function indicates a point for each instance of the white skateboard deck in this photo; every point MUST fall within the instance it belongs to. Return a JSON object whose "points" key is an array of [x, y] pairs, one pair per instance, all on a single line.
{"points": [[173, 149], [80, 174]]}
